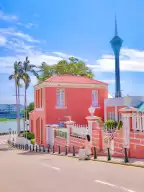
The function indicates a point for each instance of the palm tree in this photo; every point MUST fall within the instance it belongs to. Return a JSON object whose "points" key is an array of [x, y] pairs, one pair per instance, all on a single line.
{"points": [[17, 76], [26, 69]]}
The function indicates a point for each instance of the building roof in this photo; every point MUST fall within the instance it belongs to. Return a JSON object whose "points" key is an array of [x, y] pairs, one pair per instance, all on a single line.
{"points": [[141, 107], [109, 95], [128, 109], [73, 79]]}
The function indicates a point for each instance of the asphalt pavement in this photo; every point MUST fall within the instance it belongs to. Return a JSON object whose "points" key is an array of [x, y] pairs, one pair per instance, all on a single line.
{"points": [[32, 172]]}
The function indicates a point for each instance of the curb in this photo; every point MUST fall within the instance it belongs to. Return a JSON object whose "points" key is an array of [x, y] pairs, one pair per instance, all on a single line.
{"points": [[96, 160]]}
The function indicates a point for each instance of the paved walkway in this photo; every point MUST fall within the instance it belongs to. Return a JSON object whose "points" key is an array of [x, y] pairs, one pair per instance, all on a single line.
{"points": [[23, 171]]}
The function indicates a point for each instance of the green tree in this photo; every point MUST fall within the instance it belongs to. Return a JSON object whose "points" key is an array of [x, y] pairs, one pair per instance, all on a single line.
{"points": [[46, 71], [73, 66], [17, 76], [29, 108], [27, 68]]}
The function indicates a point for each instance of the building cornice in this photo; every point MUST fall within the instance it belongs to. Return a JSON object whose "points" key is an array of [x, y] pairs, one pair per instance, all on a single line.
{"points": [[69, 85]]}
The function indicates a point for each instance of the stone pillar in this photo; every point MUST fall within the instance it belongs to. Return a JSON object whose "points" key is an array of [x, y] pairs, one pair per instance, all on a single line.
{"points": [[69, 125], [126, 129], [90, 120], [116, 113]]}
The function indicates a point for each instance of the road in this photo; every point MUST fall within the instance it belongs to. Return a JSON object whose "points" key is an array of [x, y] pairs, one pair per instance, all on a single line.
{"points": [[31, 172]]}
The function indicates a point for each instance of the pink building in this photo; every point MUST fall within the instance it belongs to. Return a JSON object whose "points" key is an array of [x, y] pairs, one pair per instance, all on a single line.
{"points": [[65, 95]]}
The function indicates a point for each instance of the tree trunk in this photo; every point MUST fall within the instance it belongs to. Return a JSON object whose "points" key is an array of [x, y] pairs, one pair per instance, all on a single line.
{"points": [[25, 107], [16, 90], [18, 109]]}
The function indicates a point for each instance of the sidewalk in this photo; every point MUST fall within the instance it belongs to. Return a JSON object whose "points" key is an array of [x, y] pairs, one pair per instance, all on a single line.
{"points": [[114, 160]]}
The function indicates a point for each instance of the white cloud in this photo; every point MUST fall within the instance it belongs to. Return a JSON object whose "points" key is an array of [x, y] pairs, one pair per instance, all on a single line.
{"points": [[35, 58], [7, 17], [130, 60], [34, 80], [3, 41], [27, 25], [18, 34], [66, 56]]}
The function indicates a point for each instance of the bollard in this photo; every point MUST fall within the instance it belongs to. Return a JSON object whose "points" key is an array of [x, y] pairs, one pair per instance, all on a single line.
{"points": [[19, 146], [65, 150], [30, 148], [33, 147], [48, 149], [53, 149], [73, 151], [36, 148], [39, 148], [95, 153], [126, 156], [43, 149], [25, 146], [109, 156], [59, 149]]}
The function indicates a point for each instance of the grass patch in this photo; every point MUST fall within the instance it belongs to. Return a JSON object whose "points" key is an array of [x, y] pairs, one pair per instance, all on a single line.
{"points": [[3, 119]]}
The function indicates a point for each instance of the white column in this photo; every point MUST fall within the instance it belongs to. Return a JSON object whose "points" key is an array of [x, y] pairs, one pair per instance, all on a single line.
{"points": [[90, 130], [126, 130], [53, 136], [105, 113], [69, 125], [137, 120], [134, 121], [116, 113], [142, 122]]}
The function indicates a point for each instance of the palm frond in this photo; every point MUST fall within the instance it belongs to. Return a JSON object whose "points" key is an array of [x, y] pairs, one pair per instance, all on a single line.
{"points": [[11, 77]]}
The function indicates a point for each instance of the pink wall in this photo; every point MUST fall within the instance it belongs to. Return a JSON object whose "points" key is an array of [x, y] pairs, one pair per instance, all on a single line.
{"points": [[78, 100]]}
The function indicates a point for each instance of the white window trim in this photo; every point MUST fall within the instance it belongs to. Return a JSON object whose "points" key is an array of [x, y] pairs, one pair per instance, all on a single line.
{"points": [[60, 93], [95, 102]]}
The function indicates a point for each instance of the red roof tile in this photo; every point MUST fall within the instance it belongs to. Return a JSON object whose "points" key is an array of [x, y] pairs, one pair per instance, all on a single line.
{"points": [[73, 79]]}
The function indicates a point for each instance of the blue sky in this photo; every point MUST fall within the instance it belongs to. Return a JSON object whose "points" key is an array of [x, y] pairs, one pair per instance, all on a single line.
{"points": [[52, 30]]}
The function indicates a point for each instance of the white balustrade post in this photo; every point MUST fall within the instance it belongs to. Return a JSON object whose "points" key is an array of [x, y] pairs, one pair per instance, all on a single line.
{"points": [[126, 130], [134, 121], [69, 125], [53, 136], [142, 122], [90, 123]]}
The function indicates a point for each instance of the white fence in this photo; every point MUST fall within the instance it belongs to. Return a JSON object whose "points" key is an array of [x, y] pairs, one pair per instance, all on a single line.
{"points": [[79, 130]]}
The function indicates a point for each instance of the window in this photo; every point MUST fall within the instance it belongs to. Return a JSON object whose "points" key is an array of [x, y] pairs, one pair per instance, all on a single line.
{"points": [[60, 98], [111, 116], [94, 98]]}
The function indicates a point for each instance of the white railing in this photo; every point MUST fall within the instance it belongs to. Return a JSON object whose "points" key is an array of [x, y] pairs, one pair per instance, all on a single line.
{"points": [[61, 132], [79, 130]]}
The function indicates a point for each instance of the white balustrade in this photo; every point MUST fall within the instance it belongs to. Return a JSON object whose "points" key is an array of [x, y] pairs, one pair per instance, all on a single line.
{"points": [[79, 130]]}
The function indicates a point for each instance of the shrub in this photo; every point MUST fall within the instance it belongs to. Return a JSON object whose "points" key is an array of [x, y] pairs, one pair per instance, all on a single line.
{"points": [[32, 141], [28, 135]]}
